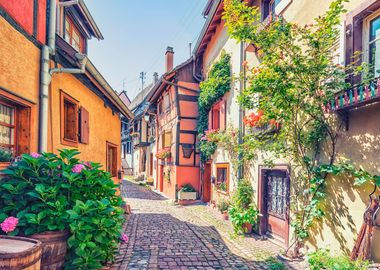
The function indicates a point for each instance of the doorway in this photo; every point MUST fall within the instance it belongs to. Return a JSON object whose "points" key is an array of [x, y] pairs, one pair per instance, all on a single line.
{"points": [[274, 204], [206, 196]]}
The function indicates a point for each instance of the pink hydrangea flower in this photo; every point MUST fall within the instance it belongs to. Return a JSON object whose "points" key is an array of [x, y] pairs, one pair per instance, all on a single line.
{"points": [[35, 155], [77, 168], [9, 224], [87, 164], [124, 238]]}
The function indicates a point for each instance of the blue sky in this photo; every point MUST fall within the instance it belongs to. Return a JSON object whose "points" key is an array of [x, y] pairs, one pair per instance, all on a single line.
{"points": [[136, 34]]}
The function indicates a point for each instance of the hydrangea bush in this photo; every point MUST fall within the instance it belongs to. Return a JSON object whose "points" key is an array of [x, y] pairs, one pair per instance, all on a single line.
{"points": [[48, 192]]}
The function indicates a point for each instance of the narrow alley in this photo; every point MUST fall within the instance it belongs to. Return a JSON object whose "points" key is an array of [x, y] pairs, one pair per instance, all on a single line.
{"points": [[165, 236]]}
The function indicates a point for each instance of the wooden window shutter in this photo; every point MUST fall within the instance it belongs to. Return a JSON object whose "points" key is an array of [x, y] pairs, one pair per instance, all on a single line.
{"points": [[222, 115], [354, 43], [210, 119], [23, 131], [84, 126]]}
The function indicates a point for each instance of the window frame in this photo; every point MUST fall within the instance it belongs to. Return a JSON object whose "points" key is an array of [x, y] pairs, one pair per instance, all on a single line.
{"points": [[67, 141], [115, 158], [227, 167], [13, 126], [24, 116], [73, 28], [366, 35]]}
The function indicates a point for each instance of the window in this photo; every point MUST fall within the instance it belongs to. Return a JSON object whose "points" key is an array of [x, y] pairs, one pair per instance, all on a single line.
{"points": [[374, 45], [166, 139], [166, 102], [7, 129], [129, 147], [272, 7], [112, 159], [73, 36], [69, 120], [15, 120], [217, 116], [222, 177]]}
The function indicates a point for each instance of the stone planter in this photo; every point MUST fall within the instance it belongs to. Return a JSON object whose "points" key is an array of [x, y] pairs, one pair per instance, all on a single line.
{"points": [[187, 195]]}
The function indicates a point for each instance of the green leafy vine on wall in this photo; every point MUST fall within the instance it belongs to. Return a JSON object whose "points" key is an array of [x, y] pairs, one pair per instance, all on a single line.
{"points": [[213, 89], [296, 78]]}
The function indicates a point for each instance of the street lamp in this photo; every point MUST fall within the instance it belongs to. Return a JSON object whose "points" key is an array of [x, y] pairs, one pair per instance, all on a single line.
{"points": [[146, 117]]}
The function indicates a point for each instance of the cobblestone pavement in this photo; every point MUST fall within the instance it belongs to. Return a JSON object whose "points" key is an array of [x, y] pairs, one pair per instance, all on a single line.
{"points": [[165, 236]]}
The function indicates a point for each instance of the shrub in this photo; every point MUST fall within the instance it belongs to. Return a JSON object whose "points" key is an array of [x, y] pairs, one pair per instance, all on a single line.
{"points": [[275, 264], [5, 155], [322, 259], [223, 205], [187, 188], [243, 210], [51, 192], [240, 216]]}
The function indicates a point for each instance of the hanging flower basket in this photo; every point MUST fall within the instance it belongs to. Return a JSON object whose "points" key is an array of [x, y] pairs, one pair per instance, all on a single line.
{"points": [[164, 153]]}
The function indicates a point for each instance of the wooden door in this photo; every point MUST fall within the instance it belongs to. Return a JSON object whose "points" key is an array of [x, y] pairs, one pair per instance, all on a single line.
{"points": [[206, 196], [275, 203], [161, 178]]}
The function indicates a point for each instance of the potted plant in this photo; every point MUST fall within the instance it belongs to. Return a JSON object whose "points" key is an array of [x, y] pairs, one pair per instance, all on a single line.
{"points": [[62, 202], [187, 192], [223, 206], [244, 218]]}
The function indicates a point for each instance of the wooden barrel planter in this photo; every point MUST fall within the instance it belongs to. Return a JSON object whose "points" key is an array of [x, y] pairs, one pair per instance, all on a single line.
{"points": [[54, 247], [19, 253]]}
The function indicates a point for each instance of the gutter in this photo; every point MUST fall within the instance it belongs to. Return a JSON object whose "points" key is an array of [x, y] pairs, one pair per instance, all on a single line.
{"points": [[206, 25]]}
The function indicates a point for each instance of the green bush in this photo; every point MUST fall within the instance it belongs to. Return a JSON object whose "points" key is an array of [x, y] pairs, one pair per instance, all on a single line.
{"points": [[5, 155], [223, 205], [275, 264], [51, 192], [243, 210], [188, 188], [243, 196], [322, 259]]}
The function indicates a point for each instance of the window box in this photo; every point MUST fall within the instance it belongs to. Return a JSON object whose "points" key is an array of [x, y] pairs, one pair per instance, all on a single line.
{"points": [[182, 195], [187, 192]]}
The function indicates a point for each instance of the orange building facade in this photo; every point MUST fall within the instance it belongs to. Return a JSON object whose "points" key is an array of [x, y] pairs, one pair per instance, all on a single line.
{"points": [[78, 103], [175, 102]]}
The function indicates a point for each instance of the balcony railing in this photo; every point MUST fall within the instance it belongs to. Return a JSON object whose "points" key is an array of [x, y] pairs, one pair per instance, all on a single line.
{"points": [[356, 96]]}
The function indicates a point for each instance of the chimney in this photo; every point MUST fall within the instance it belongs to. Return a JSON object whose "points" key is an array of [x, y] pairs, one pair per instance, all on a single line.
{"points": [[169, 58], [155, 77]]}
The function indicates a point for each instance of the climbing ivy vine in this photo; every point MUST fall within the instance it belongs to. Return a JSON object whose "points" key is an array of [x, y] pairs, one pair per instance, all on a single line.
{"points": [[213, 89], [291, 86]]}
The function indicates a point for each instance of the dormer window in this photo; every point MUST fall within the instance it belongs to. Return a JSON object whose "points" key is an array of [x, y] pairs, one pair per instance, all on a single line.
{"points": [[73, 36]]}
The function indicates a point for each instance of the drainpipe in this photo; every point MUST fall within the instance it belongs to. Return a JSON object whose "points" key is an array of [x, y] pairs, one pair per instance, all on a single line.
{"points": [[241, 110], [46, 73]]}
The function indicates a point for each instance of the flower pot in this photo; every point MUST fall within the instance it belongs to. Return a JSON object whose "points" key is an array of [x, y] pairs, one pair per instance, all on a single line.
{"points": [[54, 249], [247, 228], [20, 253], [187, 195], [225, 215]]}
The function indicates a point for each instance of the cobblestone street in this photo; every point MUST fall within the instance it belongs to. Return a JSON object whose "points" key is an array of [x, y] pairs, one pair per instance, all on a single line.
{"points": [[165, 236]]}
